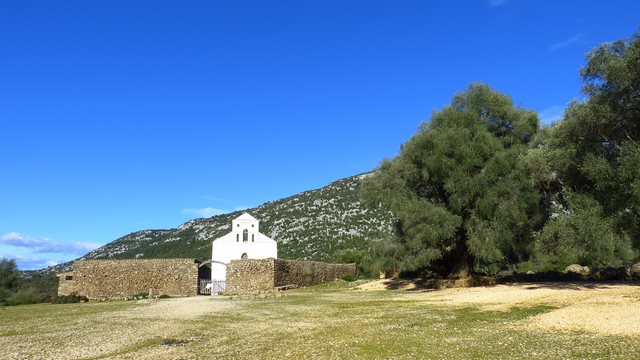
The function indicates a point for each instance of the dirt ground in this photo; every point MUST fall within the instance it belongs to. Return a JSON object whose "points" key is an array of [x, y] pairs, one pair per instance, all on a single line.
{"points": [[90, 335], [186, 327], [593, 307]]}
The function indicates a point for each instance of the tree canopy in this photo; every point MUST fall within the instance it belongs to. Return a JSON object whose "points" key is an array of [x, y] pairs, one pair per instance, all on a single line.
{"points": [[594, 156], [457, 190], [480, 186]]}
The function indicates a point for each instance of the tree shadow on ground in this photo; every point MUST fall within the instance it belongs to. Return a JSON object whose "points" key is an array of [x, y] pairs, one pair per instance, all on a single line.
{"points": [[571, 285], [430, 284], [530, 283]]}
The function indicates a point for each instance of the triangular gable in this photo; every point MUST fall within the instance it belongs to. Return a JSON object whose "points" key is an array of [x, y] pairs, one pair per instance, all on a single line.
{"points": [[246, 216]]}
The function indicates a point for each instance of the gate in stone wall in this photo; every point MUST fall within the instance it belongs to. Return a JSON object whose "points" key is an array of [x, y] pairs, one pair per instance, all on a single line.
{"points": [[204, 287], [207, 287], [217, 286]]}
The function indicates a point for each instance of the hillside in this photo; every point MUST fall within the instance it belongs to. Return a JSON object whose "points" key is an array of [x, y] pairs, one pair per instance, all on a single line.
{"points": [[310, 225]]}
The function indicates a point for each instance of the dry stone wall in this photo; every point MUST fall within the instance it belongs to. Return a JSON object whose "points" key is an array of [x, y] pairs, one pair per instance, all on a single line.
{"points": [[65, 283], [99, 279], [303, 273], [249, 276], [254, 276]]}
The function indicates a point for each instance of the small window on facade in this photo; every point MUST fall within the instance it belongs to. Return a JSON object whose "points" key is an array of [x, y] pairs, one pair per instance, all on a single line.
{"points": [[245, 235], [253, 237], [251, 225], [244, 256], [68, 277], [237, 237]]}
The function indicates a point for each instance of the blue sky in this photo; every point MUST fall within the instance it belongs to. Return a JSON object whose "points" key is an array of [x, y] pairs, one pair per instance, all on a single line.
{"points": [[117, 116]]}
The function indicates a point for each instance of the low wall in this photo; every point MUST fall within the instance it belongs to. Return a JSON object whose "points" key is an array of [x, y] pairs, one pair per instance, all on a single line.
{"points": [[98, 279], [249, 276], [303, 273], [253, 276]]}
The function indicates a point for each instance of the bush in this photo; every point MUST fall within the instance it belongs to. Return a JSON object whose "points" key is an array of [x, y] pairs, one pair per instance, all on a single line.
{"points": [[364, 262], [70, 299], [348, 278], [5, 294], [164, 296], [27, 296], [9, 275]]}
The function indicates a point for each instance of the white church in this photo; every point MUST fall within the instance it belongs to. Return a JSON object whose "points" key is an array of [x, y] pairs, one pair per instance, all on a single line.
{"points": [[243, 242]]}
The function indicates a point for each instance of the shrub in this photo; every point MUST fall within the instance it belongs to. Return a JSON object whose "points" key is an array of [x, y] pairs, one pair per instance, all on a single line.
{"points": [[70, 299], [5, 294], [27, 296], [364, 262], [164, 296], [9, 275], [348, 278]]}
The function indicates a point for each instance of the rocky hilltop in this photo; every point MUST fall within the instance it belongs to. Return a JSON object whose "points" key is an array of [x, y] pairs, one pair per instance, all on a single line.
{"points": [[311, 225]]}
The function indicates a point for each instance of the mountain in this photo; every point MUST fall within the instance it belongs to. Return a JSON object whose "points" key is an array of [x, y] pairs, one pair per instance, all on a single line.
{"points": [[311, 225]]}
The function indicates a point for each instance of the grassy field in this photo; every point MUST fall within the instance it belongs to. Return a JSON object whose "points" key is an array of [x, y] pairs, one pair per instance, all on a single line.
{"points": [[328, 321]]}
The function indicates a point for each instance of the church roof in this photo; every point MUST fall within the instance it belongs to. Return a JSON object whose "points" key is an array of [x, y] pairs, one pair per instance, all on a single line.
{"points": [[246, 216]]}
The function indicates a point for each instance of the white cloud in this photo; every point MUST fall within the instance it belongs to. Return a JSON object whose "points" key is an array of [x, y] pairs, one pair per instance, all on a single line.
{"points": [[52, 262], [552, 114], [31, 252], [29, 262], [205, 212], [46, 245], [562, 44], [496, 2]]}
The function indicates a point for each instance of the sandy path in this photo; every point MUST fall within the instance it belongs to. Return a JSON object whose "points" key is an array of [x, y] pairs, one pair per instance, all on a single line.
{"points": [[610, 309], [177, 308]]}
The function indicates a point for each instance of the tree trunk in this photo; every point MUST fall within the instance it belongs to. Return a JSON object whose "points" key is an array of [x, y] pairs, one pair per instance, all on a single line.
{"points": [[460, 261], [461, 268]]}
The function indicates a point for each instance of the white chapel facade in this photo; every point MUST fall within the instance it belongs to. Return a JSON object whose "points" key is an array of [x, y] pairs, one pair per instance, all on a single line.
{"points": [[243, 242]]}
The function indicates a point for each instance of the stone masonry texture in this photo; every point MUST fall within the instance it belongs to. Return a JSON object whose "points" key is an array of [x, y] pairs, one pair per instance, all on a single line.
{"points": [[108, 279], [65, 287], [254, 276], [249, 276], [303, 273]]}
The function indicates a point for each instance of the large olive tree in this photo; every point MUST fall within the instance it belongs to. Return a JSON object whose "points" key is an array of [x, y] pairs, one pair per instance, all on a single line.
{"points": [[458, 191]]}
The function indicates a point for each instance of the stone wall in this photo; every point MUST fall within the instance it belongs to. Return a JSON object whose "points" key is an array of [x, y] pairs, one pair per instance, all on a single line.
{"points": [[254, 276], [65, 283], [303, 273], [249, 276], [98, 279]]}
